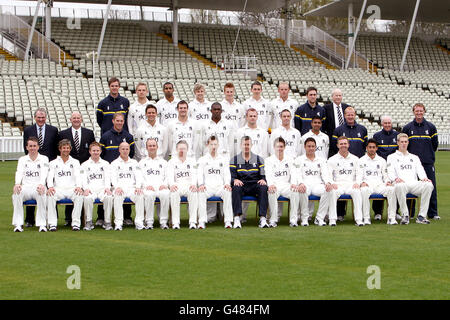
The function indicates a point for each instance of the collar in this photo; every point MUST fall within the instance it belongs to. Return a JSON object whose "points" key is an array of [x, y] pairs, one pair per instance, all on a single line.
{"points": [[419, 124], [335, 105], [387, 132], [116, 132], [114, 99], [349, 126], [43, 127], [398, 152]]}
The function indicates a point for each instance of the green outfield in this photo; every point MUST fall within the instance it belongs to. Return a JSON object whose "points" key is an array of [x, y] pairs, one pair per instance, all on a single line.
{"points": [[251, 263]]}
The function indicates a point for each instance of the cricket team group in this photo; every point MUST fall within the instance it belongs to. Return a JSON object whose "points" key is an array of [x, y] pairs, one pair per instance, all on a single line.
{"points": [[157, 154]]}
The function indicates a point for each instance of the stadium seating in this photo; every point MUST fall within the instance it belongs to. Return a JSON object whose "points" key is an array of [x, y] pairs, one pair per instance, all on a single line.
{"points": [[387, 50]]}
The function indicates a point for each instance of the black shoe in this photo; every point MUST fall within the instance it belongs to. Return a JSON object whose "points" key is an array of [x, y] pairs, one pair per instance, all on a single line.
{"points": [[28, 225], [67, 223]]}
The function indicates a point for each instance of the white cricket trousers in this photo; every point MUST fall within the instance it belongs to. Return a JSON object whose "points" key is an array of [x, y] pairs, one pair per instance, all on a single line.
{"points": [[324, 202], [346, 188], [175, 198], [215, 191], [283, 190], [418, 188], [386, 191], [29, 193], [89, 200], [149, 200], [64, 193], [128, 192]]}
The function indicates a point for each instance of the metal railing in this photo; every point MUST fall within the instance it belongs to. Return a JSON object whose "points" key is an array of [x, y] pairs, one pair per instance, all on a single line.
{"points": [[241, 64], [14, 46], [40, 45]]}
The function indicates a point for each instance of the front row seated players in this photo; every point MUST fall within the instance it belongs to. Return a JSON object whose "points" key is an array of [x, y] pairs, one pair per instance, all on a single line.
{"points": [[403, 169], [64, 182], [29, 184]]}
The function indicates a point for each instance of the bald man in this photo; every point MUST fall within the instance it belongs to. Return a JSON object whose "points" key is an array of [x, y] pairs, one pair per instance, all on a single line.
{"points": [[80, 139]]}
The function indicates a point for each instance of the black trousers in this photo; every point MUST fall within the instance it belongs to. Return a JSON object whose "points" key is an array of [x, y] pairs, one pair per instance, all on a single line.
{"points": [[250, 189], [126, 212]]}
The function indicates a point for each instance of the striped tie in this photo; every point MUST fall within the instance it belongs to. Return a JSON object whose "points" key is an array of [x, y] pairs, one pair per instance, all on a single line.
{"points": [[77, 141], [341, 120], [41, 141]]}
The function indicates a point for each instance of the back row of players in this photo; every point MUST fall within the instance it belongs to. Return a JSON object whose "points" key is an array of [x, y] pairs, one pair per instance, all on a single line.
{"points": [[174, 124]]}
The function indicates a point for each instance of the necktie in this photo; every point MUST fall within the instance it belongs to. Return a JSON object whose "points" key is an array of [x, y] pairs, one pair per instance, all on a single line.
{"points": [[77, 141], [341, 120], [41, 141]]}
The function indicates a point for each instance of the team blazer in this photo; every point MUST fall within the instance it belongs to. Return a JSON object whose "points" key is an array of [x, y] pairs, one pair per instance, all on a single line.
{"points": [[49, 147], [87, 137]]}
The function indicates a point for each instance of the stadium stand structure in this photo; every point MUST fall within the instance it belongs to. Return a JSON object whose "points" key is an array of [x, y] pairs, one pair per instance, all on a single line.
{"points": [[143, 56], [386, 51]]}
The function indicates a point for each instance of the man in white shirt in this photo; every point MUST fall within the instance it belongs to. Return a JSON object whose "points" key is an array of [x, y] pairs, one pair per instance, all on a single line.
{"points": [[280, 176], [290, 135], [233, 111], [313, 178], [322, 140], [154, 172], [259, 136], [150, 129], [29, 184], [346, 179], [214, 179], [199, 109], [283, 102], [184, 128], [167, 106], [222, 129], [403, 169], [261, 105], [96, 183], [182, 180], [375, 180], [126, 180], [64, 181], [136, 113]]}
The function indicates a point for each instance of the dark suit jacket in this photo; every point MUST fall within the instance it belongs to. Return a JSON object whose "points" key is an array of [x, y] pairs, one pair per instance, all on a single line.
{"points": [[50, 145], [87, 137], [329, 123]]}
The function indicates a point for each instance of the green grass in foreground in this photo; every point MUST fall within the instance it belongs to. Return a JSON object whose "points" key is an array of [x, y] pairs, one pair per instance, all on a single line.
{"points": [[281, 263]]}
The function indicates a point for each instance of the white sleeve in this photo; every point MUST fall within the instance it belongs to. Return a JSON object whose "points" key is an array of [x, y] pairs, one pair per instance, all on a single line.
{"points": [[107, 171], [419, 169], [169, 140], [83, 176], [137, 173], [51, 175], [194, 173], [325, 172], [269, 172], [114, 172], [130, 120], [265, 147], [330, 169], [19, 172], [76, 170], [165, 142], [302, 147], [170, 174], [359, 172], [44, 171], [138, 145], [165, 173], [384, 172], [391, 168], [200, 172]]}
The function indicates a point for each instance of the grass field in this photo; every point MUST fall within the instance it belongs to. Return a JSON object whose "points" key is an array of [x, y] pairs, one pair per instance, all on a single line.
{"points": [[251, 263]]}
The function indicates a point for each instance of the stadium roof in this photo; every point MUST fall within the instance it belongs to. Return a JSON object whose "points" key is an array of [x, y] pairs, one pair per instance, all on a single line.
{"points": [[429, 10], [225, 5]]}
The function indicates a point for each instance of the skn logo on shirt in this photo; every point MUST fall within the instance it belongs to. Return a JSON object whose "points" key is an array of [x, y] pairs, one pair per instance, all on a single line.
{"points": [[64, 174], [182, 174], [406, 167], [346, 172], [96, 176], [32, 174], [152, 172], [214, 171], [125, 175], [281, 173], [311, 172]]}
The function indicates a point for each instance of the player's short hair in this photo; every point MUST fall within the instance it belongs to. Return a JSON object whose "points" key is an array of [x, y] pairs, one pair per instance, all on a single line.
{"points": [[342, 138], [216, 104], [256, 83], [285, 110], [167, 83], [310, 139], [182, 102], [284, 83], [119, 114], [34, 139], [112, 80], [316, 118], [95, 144], [309, 89], [386, 117], [419, 105], [402, 135], [251, 110], [142, 84], [228, 85], [212, 138], [349, 108], [199, 86], [372, 140], [64, 142], [182, 142], [246, 138], [151, 106], [279, 140], [149, 139], [43, 110]]}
